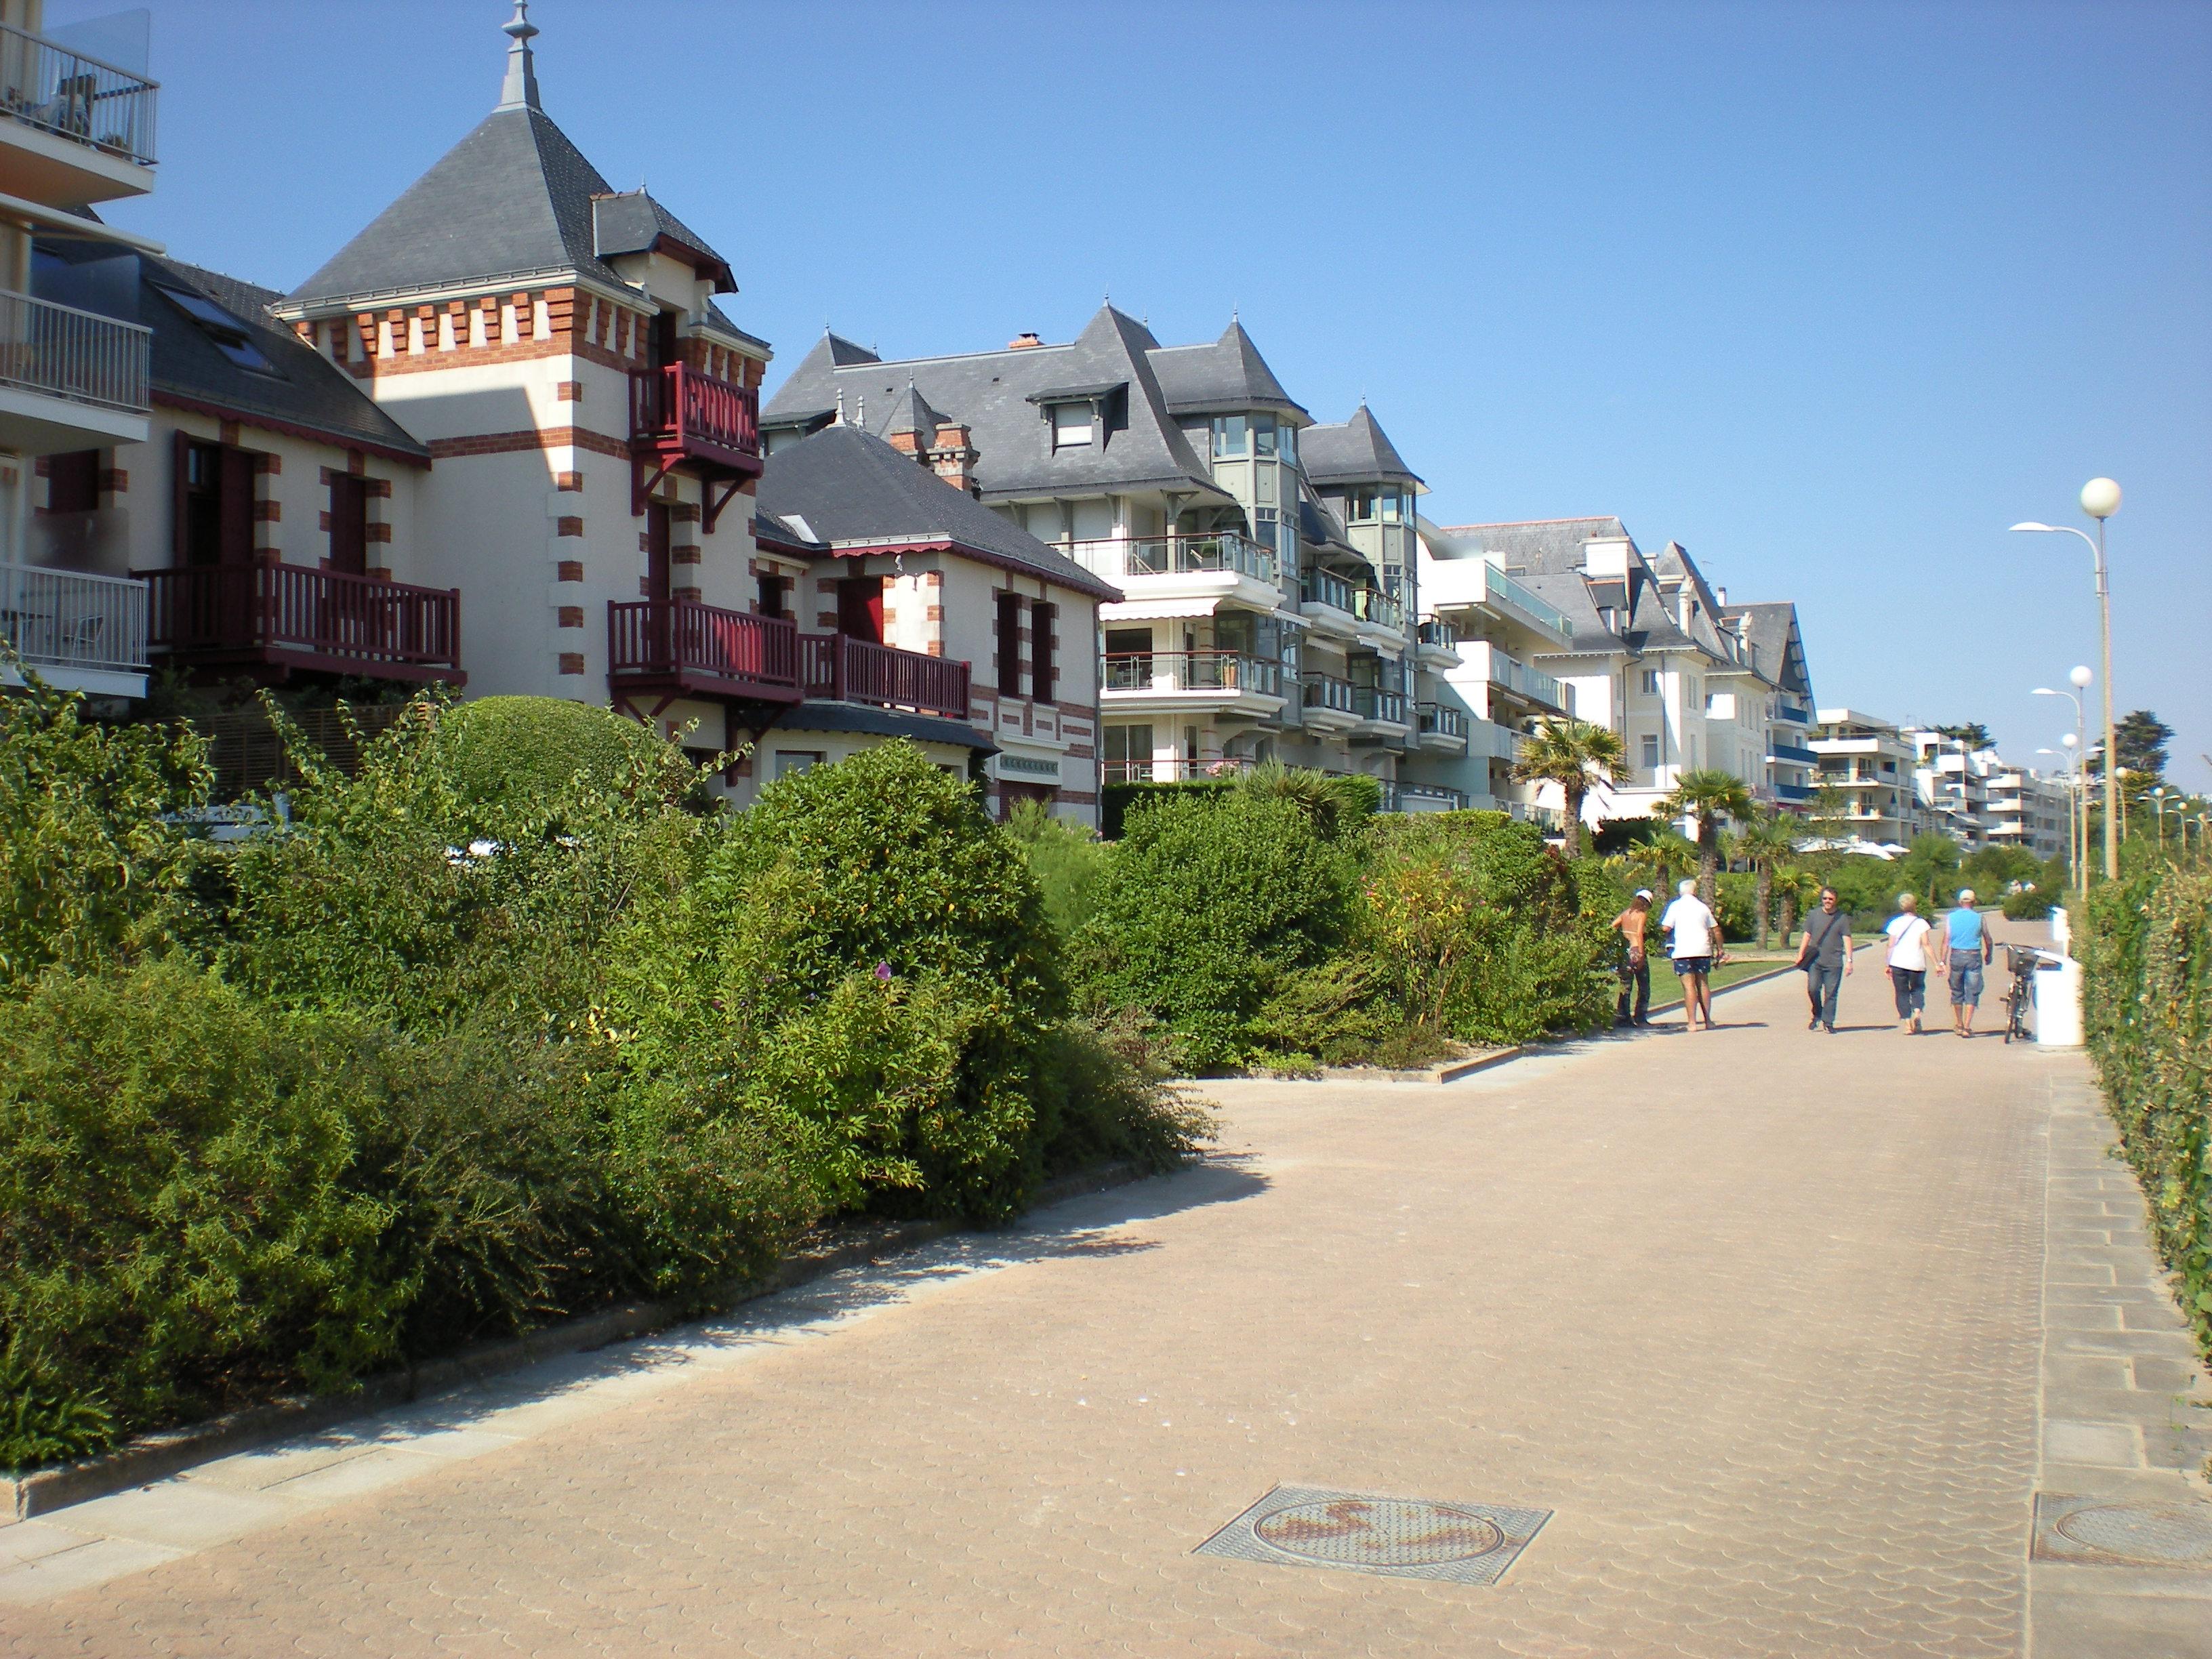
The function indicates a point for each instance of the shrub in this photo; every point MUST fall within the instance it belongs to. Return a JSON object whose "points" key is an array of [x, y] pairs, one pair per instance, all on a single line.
{"points": [[1068, 861], [89, 861], [506, 752], [179, 1232], [1208, 905], [2147, 1011], [863, 951]]}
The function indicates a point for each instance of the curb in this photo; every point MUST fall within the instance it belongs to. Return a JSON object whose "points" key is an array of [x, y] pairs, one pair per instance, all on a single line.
{"points": [[1449, 1071], [155, 1456]]}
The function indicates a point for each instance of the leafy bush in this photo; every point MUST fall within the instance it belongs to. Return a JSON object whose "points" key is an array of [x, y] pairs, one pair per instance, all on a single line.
{"points": [[1209, 905], [502, 753], [1068, 861], [863, 951], [2147, 1011], [88, 859]]}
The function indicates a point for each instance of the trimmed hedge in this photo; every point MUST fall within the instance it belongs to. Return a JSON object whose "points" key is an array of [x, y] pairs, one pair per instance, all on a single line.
{"points": [[2149, 1015]]}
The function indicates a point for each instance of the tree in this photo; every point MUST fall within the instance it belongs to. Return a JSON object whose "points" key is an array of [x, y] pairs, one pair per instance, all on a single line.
{"points": [[1931, 858], [1573, 754], [2142, 738], [1764, 840], [1707, 795], [1975, 735]]}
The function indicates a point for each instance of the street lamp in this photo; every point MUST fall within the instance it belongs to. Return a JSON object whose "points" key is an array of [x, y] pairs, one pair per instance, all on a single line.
{"points": [[2100, 499], [2079, 679], [2075, 836], [2158, 805]]}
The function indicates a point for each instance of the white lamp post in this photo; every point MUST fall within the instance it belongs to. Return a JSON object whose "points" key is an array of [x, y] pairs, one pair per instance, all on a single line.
{"points": [[2079, 679], [2158, 805], [2100, 499]]}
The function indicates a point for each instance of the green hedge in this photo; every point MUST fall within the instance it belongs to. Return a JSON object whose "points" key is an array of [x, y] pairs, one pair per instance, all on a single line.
{"points": [[2149, 1015]]}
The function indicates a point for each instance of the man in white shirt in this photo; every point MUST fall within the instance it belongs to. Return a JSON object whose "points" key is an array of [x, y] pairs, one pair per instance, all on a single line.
{"points": [[1693, 937], [1908, 931]]}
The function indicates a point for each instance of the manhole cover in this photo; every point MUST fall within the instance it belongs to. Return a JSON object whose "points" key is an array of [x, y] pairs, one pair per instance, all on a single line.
{"points": [[2091, 1530], [1402, 1537]]}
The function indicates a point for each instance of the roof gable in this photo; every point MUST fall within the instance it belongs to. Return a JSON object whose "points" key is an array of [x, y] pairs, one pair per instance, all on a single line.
{"points": [[1358, 451], [1228, 375], [631, 221]]}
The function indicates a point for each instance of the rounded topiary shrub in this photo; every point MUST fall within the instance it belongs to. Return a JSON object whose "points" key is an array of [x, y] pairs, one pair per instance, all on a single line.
{"points": [[514, 749]]}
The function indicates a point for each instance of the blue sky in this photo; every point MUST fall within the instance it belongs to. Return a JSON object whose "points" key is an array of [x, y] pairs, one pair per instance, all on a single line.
{"points": [[1831, 294]]}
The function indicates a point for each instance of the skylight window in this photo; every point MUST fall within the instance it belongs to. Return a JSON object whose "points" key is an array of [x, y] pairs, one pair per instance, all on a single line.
{"points": [[229, 335]]}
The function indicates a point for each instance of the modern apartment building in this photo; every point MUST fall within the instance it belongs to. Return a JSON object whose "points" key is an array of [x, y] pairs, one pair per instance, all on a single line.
{"points": [[1653, 653], [1866, 766], [2024, 808], [1266, 564], [76, 130]]}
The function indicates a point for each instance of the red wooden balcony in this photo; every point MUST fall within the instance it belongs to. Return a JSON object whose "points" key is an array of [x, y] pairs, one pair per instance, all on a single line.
{"points": [[283, 616], [702, 649], [680, 417], [845, 670]]}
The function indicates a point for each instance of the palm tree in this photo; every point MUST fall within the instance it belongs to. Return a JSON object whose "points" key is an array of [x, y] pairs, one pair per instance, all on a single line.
{"points": [[1668, 855], [1764, 840], [1706, 795], [1573, 754]]}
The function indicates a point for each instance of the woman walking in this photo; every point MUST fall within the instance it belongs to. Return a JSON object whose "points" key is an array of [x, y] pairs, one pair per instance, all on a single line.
{"points": [[1908, 931]]}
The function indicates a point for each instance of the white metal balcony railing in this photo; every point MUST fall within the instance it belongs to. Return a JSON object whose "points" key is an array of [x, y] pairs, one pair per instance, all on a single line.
{"points": [[78, 355], [45, 85], [73, 619], [1119, 558], [1159, 672]]}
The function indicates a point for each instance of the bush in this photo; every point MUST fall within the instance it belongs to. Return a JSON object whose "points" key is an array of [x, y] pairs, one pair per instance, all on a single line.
{"points": [[865, 956], [2148, 1010], [505, 753], [1068, 862], [89, 858], [1208, 906]]}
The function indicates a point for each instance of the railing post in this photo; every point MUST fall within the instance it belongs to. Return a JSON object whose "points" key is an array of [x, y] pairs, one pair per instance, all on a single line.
{"points": [[837, 670]]}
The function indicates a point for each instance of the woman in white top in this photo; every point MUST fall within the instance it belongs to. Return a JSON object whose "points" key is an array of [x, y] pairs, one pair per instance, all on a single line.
{"points": [[1908, 960]]}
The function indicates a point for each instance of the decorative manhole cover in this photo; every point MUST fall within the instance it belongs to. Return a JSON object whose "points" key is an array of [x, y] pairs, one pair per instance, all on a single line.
{"points": [[1401, 1537], [2092, 1530]]}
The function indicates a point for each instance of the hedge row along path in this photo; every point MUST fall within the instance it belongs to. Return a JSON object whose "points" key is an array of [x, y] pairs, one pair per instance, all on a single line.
{"points": [[1786, 1329]]}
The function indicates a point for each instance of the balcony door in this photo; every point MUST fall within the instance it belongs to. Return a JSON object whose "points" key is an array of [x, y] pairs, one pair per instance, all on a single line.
{"points": [[861, 608], [348, 524], [215, 505]]}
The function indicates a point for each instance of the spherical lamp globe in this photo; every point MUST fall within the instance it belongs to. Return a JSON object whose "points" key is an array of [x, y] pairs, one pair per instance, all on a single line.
{"points": [[2067, 740], [2082, 677], [2100, 498]]}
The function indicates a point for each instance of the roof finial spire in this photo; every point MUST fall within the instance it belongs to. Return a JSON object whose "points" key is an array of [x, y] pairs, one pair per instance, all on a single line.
{"points": [[841, 407], [520, 90]]}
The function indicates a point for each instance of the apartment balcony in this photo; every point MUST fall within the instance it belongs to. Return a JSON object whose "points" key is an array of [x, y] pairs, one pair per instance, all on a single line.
{"points": [[679, 646], [73, 130], [1487, 740], [1211, 682], [1401, 797], [75, 630], [1790, 754], [1531, 689], [69, 379], [1151, 570], [1383, 714], [1336, 606], [273, 620], [1476, 585], [1329, 703], [1434, 645], [1795, 716], [1440, 729], [842, 669], [1795, 794], [679, 417]]}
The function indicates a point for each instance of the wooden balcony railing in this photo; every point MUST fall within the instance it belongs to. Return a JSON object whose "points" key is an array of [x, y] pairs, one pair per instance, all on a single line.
{"points": [[842, 668], [287, 615], [678, 410], [704, 649]]}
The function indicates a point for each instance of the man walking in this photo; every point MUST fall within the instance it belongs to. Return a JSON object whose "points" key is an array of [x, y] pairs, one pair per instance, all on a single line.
{"points": [[1967, 947], [1635, 966], [1908, 931], [1825, 956], [1693, 939]]}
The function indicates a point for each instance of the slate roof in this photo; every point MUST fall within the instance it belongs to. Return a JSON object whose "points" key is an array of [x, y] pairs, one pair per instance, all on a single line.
{"points": [[850, 486], [882, 723], [1546, 556], [911, 412], [1772, 631], [632, 222], [1357, 451], [1220, 379], [990, 393], [307, 391]]}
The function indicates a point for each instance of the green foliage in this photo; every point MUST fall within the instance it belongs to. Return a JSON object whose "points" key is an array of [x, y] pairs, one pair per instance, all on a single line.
{"points": [[1207, 907], [2147, 1011], [863, 954], [504, 753], [88, 863], [1067, 860], [2142, 739], [1114, 1103], [1574, 755]]}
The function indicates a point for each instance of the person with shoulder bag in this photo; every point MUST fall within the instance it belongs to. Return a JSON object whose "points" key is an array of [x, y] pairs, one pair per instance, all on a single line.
{"points": [[1908, 933], [1825, 956]]}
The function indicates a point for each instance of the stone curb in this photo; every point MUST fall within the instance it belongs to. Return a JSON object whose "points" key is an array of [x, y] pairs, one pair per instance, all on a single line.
{"points": [[155, 1456]]}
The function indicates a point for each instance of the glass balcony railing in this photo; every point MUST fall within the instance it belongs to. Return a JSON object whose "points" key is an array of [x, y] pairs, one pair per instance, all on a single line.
{"points": [[1325, 691], [1119, 558], [45, 85], [1372, 702], [1171, 671], [1504, 587], [1319, 587], [1435, 719], [1372, 605], [1437, 634]]}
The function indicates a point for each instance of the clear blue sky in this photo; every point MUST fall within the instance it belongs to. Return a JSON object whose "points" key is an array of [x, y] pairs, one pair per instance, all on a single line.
{"points": [[1830, 293]]}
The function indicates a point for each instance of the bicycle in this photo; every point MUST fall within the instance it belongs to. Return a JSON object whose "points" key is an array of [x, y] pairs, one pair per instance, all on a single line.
{"points": [[2019, 996]]}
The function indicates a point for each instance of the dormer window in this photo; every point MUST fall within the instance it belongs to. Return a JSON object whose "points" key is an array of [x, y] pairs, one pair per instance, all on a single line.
{"points": [[224, 331], [1073, 425]]}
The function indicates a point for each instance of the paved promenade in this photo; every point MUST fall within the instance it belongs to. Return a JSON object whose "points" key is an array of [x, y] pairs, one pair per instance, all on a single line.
{"points": [[1786, 1331]]}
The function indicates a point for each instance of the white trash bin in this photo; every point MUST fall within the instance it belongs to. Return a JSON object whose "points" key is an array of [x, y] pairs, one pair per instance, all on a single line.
{"points": [[2061, 931], [2058, 1002]]}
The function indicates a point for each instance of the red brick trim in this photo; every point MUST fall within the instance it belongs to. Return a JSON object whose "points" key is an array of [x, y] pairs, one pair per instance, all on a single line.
{"points": [[568, 527], [571, 616], [567, 481], [568, 391], [288, 428], [511, 443], [568, 570], [572, 662]]}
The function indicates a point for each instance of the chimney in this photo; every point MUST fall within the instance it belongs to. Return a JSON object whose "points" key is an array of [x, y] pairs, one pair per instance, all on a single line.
{"points": [[1721, 593], [953, 457], [1023, 343]]}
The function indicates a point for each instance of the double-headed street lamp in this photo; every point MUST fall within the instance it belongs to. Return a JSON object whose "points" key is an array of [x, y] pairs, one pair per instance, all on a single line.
{"points": [[2077, 797], [2100, 499], [2158, 804], [2076, 835]]}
